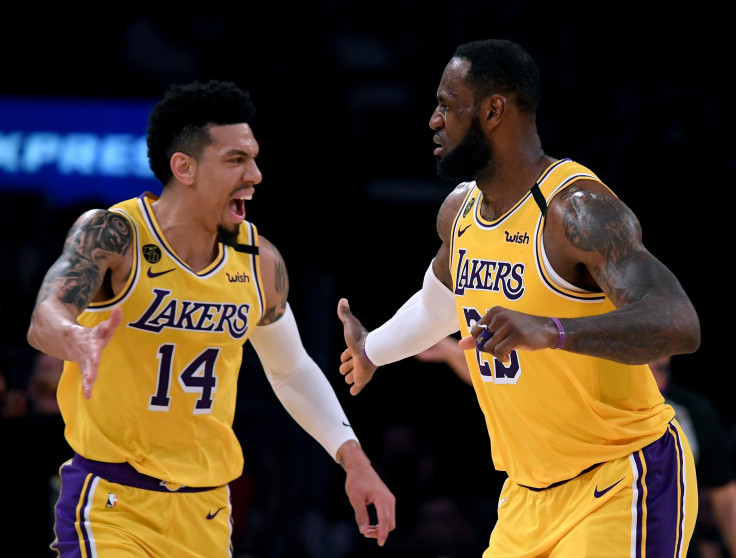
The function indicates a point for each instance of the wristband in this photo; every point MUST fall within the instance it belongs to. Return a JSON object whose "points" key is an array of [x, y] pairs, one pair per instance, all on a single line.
{"points": [[365, 355], [560, 332]]}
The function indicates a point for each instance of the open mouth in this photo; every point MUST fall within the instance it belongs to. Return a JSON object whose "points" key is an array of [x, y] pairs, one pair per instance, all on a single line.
{"points": [[237, 208], [237, 203]]}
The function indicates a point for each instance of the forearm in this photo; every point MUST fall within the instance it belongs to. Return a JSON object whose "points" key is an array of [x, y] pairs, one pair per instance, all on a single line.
{"points": [[52, 328], [638, 333], [300, 385], [426, 318]]}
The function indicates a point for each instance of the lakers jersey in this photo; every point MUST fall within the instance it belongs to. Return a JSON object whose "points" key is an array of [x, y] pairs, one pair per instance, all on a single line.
{"points": [[164, 398], [550, 414]]}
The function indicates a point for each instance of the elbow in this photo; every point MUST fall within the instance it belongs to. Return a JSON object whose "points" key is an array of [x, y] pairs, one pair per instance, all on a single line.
{"points": [[35, 334], [689, 333], [31, 335], [692, 342]]}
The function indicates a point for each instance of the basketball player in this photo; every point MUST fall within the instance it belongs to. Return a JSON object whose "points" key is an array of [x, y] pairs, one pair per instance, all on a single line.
{"points": [[560, 307], [149, 305]]}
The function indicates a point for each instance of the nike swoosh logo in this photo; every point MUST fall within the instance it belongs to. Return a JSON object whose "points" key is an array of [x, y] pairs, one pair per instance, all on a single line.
{"points": [[462, 231], [598, 493], [153, 274], [212, 515]]}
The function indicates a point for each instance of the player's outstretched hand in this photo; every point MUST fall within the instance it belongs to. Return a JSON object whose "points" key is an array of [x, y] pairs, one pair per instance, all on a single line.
{"points": [[355, 367], [89, 347]]}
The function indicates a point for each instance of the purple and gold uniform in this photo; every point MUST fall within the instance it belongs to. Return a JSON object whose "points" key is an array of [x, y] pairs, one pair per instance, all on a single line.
{"points": [[160, 419], [555, 416]]}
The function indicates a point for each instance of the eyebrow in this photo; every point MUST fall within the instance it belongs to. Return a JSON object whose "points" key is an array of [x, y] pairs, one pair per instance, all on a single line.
{"points": [[446, 94], [232, 152]]}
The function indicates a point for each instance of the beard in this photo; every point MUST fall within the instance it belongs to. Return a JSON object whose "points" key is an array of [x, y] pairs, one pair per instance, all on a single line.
{"points": [[467, 159], [226, 236]]}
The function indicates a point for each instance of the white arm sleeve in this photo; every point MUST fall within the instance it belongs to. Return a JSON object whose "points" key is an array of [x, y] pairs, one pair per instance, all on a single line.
{"points": [[300, 384], [426, 318]]}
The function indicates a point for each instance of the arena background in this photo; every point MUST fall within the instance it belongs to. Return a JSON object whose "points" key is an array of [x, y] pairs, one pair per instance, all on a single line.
{"points": [[635, 90]]}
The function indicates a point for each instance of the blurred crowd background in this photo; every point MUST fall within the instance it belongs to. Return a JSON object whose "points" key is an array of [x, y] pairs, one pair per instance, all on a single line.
{"points": [[635, 90]]}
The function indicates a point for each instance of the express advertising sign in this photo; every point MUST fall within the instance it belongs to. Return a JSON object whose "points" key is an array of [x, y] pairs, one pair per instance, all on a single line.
{"points": [[74, 150]]}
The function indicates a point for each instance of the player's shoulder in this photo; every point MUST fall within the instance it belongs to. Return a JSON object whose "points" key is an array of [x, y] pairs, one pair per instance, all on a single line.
{"points": [[269, 253], [569, 176], [460, 192], [570, 186], [451, 206], [103, 219]]}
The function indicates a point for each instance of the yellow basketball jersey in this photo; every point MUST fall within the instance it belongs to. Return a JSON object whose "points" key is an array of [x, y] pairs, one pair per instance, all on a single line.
{"points": [[164, 399], [550, 414]]}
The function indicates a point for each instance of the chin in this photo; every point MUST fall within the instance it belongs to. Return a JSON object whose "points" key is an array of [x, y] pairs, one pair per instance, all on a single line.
{"points": [[228, 235]]}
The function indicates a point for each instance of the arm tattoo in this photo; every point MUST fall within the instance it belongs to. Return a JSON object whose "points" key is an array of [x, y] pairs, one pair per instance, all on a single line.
{"points": [[627, 274], [281, 283], [78, 273], [595, 223]]}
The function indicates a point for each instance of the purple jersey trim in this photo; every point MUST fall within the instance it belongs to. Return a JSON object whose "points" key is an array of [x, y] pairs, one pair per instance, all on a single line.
{"points": [[664, 479], [124, 473]]}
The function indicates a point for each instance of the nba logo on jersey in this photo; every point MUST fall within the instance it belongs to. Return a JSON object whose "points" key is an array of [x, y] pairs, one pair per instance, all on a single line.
{"points": [[111, 500]]}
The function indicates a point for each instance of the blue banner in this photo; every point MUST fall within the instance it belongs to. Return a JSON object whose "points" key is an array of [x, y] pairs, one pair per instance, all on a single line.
{"points": [[74, 150]]}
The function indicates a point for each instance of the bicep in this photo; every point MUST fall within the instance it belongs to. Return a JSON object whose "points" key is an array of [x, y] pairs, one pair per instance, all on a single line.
{"points": [[98, 242], [275, 282], [592, 228]]}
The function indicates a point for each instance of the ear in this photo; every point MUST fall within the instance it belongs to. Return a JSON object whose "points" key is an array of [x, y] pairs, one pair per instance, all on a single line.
{"points": [[492, 109], [183, 167]]}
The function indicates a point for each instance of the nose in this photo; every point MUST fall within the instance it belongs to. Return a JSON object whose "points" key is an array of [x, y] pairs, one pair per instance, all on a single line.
{"points": [[253, 173], [436, 121]]}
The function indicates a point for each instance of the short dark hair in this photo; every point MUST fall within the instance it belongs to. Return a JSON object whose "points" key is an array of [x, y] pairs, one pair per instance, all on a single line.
{"points": [[502, 66], [180, 121]]}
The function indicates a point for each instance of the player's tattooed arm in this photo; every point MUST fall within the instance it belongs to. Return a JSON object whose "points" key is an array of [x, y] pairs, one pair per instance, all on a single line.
{"points": [[97, 247], [96, 239], [653, 315], [275, 282]]}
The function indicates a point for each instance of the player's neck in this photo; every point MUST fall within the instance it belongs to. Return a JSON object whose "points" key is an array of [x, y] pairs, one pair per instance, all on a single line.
{"points": [[509, 180], [195, 244]]}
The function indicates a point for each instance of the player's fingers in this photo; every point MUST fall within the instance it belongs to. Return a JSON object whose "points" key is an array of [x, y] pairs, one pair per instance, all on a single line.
{"points": [[386, 520], [343, 310], [105, 330], [502, 350], [86, 388], [89, 375], [346, 355], [482, 338], [382, 534], [361, 518], [89, 367], [467, 343], [116, 317], [368, 523]]}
